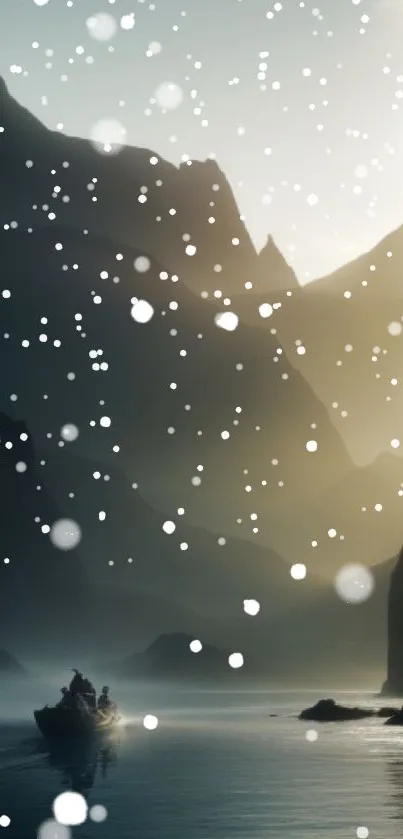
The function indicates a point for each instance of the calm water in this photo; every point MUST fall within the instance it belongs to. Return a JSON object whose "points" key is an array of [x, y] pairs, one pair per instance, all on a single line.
{"points": [[217, 767]]}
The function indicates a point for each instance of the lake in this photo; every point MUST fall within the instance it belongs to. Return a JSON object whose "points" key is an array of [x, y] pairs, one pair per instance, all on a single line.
{"points": [[217, 767]]}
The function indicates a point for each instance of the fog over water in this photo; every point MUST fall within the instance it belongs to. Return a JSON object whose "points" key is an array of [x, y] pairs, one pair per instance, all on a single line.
{"points": [[217, 764]]}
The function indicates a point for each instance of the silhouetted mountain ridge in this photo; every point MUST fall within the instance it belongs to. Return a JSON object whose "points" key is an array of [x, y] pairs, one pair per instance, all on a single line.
{"points": [[170, 657], [120, 180]]}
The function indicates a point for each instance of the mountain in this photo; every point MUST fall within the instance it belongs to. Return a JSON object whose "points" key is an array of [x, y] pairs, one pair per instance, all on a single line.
{"points": [[197, 417], [350, 324], [252, 397], [170, 657], [394, 677], [302, 631], [64, 602], [192, 567], [275, 274], [37, 579], [154, 206]]}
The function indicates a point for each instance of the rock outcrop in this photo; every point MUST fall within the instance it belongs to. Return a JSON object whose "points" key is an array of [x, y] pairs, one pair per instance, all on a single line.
{"points": [[396, 718], [394, 680], [327, 710]]}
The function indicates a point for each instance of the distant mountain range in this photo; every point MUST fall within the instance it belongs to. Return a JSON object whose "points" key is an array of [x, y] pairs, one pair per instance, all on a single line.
{"points": [[170, 657], [214, 421], [350, 324], [75, 601]]}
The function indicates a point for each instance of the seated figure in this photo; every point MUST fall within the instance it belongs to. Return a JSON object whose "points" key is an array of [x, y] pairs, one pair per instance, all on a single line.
{"points": [[104, 703]]}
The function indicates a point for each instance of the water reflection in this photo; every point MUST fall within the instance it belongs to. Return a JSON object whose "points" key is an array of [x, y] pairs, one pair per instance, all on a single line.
{"points": [[79, 763], [394, 772]]}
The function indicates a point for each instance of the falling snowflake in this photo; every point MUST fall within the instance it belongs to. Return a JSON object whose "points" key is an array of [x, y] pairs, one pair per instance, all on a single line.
{"points": [[70, 808]]}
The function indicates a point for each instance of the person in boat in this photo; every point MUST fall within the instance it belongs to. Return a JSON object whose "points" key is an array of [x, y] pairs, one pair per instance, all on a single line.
{"points": [[104, 702], [90, 694], [77, 684]]}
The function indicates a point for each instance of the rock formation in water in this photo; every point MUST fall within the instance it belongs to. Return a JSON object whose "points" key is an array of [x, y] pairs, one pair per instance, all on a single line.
{"points": [[394, 679], [328, 710]]}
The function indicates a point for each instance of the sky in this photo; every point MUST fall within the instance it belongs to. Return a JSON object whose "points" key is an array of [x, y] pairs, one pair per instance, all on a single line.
{"points": [[300, 102]]}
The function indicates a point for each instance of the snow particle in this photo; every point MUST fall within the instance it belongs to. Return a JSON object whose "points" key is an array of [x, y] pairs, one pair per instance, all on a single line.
{"points": [[311, 735], [298, 571], [265, 310], [311, 446], [142, 311], [70, 808], [105, 422], [395, 443], [108, 136], [150, 722], [142, 264], [251, 607], [65, 534], [51, 829], [98, 813], [235, 660], [354, 583], [169, 527], [195, 646], [168, 96], [312, 200], [154, 48], [127, 21], [395, 328], [21, 467], [362, 832], [101, 27], [69, 432], [5, 821], [226, 320]]}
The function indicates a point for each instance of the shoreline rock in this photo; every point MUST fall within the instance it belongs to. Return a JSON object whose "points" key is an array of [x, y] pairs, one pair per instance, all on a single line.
{"points": [[327, 710]]}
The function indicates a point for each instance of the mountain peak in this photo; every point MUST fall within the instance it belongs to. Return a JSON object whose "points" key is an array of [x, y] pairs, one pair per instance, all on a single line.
{"points": [[275, 273]]}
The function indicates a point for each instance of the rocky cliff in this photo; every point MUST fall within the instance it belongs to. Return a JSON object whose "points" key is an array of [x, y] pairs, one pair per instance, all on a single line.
{"points": [[394, 680]]}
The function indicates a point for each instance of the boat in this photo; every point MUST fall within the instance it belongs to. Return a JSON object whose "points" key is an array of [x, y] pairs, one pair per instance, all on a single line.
{"points": [[59, 723], [77, 714]]}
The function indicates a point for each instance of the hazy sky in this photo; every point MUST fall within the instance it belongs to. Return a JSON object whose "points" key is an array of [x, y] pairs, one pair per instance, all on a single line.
{"points": [[337, 71]]}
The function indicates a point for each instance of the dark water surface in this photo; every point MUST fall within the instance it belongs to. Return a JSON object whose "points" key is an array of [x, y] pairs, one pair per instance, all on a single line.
{"points": [[217, 767]]}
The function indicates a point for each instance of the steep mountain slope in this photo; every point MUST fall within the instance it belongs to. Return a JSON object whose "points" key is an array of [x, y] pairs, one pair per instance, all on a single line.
{"points": [[36, 577], [350, 324], [250, 411], [275, 275], [156, 206]]}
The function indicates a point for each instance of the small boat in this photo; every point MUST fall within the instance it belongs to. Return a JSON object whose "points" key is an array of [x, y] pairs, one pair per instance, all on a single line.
{"points": [[59, 723], [78, 714]]}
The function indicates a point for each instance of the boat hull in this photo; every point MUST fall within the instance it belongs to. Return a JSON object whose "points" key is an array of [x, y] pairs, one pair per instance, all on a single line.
{"points": [[62, 723]]}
